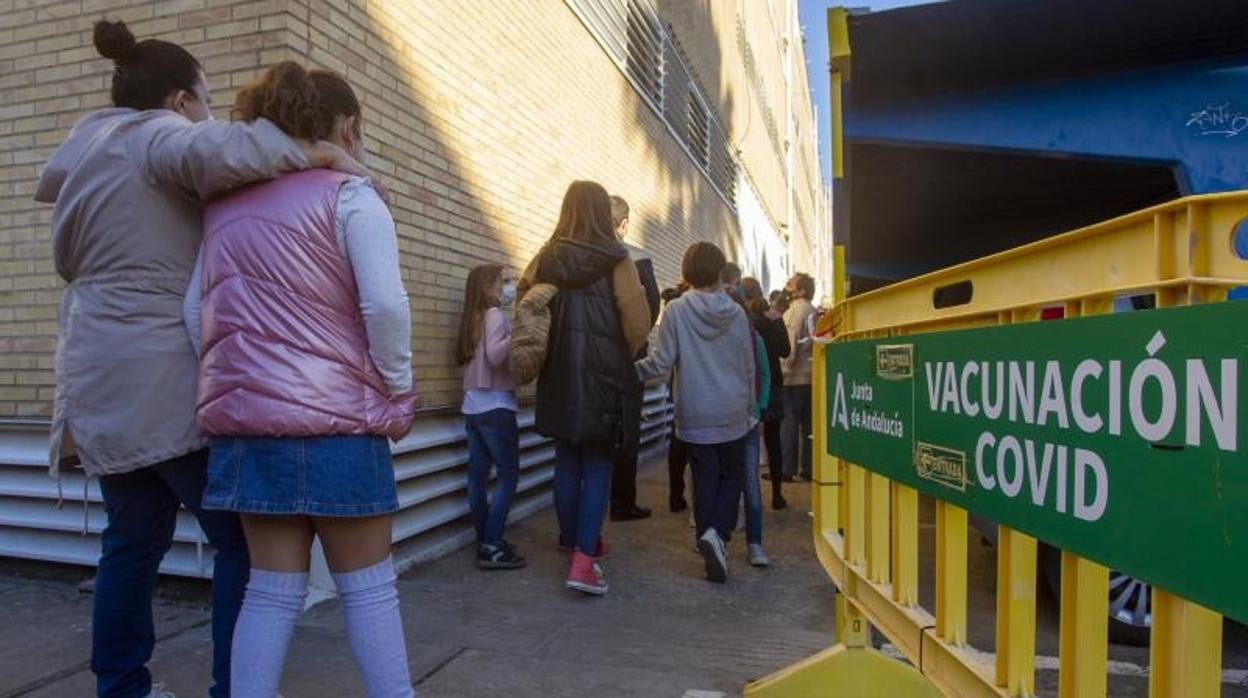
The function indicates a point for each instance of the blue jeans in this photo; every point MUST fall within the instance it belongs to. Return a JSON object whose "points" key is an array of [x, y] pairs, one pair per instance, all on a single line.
{"points": [[493, 438], [142, 510], [717, 473], [753, 489], [582, 490]]}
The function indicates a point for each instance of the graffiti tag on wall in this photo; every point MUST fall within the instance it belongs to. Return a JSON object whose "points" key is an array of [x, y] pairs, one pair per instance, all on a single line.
{"points": [[1219, 120]]}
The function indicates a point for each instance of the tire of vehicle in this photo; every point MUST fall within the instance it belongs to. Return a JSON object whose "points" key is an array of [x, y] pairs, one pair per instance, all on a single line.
{"points": [[1120, 631]]}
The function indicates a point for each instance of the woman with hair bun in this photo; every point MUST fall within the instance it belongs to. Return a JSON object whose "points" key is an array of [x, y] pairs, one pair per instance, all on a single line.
{"points": [[127, 185], [306, 370]]}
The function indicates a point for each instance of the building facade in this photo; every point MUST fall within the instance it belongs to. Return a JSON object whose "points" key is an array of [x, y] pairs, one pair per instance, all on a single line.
{"points": [[478, 115]]}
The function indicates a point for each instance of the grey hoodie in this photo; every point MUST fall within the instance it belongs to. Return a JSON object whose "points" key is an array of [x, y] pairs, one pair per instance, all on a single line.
{"points": [[705, 337]]}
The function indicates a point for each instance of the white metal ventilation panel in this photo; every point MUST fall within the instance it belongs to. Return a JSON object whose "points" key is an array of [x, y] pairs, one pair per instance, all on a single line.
{"points": [[430, 465]]}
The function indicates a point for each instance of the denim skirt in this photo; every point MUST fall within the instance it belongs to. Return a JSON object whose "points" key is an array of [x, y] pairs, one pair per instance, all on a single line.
{"points": [[318, 476]]}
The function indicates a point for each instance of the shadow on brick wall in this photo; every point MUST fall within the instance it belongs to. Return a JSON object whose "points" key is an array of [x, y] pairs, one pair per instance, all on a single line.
{"points": [[442, 226], [692, 138]]}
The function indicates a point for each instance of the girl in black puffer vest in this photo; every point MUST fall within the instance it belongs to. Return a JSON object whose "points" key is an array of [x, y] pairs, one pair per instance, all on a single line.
{"points": [[587, 391]]}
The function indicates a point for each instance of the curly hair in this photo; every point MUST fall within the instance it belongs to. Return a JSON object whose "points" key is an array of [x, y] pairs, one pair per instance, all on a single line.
{"points": [[303, 103]]}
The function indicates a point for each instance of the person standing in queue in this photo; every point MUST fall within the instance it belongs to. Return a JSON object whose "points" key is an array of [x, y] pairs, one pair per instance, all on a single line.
{"points": [[677, 452], [769, 324], [587, 394], [489, 410], [752, 486], [127, 185], [797, 369], [705, 338], [298, 305], [624, 479]]}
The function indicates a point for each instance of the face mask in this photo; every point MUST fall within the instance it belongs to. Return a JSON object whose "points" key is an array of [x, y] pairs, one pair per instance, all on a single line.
{"points": [[508, 295]]}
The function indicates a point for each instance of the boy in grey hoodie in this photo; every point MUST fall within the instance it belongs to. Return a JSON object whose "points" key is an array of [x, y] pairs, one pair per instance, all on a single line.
{"points": [[705, 337]]}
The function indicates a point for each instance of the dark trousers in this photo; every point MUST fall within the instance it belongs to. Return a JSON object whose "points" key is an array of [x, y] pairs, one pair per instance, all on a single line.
{"points": [[775, 461], [718, 476], [142, 511], [677, 461], [795, 431], [624, 476]]}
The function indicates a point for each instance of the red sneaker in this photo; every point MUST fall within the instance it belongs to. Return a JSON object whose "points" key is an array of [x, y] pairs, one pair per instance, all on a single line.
{"points": [[584, 575]]}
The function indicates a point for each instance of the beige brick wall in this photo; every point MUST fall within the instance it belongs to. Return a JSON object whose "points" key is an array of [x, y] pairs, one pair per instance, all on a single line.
{"points": [[479, 114]]}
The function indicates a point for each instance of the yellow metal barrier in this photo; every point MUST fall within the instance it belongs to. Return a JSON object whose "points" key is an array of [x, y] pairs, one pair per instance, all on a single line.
{"points": [[866, 526]]}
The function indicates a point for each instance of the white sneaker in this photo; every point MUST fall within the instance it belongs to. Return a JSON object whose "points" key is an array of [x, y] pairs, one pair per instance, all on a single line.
{"points": [[158, 691], [712, 548], [758, 556]]}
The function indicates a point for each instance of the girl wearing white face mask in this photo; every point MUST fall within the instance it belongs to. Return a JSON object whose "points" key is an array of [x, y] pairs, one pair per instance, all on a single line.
{"points": [[490, 409]]}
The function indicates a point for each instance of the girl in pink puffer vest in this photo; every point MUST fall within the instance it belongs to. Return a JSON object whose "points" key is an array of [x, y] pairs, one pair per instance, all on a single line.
{"points": [[305, 372]]}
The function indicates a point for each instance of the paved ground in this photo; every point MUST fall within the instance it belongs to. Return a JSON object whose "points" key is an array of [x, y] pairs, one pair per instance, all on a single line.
{"points": [[663, 631]]}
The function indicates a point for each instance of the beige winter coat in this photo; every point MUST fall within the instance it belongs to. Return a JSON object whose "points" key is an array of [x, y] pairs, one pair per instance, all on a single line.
{"points": [[127, 187]]}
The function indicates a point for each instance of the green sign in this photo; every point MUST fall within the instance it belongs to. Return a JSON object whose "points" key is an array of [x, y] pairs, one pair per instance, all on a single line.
{"points": [[1119, 437]]}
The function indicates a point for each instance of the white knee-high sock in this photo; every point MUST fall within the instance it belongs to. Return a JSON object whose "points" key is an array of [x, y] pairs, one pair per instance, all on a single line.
{"points": [[370, 602], [270, 608]]}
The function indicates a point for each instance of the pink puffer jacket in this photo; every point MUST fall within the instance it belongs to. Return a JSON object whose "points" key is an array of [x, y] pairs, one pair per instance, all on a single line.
{"points": [[284, 348]]}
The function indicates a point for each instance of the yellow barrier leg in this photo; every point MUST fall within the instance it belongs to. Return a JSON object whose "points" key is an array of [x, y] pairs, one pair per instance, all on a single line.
{"points": [[951, 573], [856, 512], [1016, 612], [905, 545], [1084, 643], [878, 539], [826, 496], [1186, 654], [851, 669]]}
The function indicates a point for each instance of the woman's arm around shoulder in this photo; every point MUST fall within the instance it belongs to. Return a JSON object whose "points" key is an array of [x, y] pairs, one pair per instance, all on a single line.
{"points": [[212, 157]]}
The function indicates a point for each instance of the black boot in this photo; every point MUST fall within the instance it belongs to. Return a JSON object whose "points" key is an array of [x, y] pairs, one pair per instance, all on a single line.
{"points": [[629, 513]]}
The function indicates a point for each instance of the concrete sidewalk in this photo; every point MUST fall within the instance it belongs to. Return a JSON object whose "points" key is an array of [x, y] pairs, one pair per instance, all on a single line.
{"points": [[662, 631]]}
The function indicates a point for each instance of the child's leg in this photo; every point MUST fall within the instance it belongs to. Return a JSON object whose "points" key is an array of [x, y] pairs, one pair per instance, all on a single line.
{"points": [[753, 489], [677, 463], [704, 465], [358, 552], [275, 596], [478, 474], [727, 497], [567, 489], [775, 461], [502, 438], [596, 466]]}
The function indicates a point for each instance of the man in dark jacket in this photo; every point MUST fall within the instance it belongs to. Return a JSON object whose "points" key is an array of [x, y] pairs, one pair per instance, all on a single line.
{"points": [[624, 479], [769, 323]]}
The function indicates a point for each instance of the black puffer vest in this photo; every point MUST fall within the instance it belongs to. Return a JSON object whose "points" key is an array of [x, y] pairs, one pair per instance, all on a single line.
{"points": [[588, 392]]}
